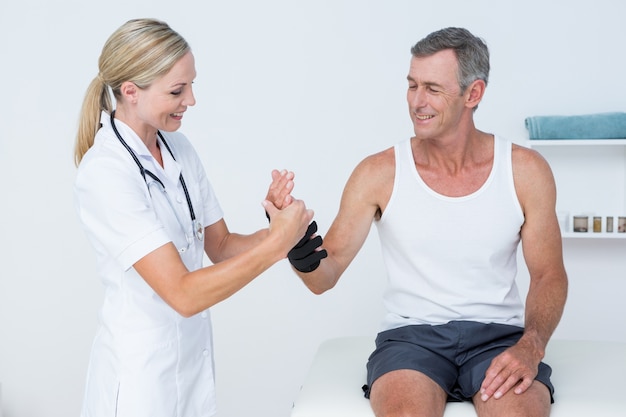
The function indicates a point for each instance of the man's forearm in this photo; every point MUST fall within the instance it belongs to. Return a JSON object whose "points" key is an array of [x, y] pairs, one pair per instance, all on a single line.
{"points": [[544, 307]]}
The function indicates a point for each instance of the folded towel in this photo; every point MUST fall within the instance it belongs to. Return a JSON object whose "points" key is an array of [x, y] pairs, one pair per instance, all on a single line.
{"points": [[591, 126]]}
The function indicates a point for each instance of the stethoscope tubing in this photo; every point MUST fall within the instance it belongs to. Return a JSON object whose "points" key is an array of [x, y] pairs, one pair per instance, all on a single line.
{"points": [[197, 228]]}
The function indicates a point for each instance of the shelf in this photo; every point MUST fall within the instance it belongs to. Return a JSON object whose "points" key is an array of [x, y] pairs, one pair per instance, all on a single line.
{"points": [[592, 235], [576, 142], [591, 180]]}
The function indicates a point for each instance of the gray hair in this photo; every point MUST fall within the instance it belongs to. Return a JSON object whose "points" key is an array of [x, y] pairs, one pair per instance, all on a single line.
{"points": [[471, 52]]}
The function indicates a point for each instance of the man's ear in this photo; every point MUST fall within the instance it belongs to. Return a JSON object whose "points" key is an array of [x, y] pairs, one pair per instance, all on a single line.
{"points": [[475, 93], [129, 91]]}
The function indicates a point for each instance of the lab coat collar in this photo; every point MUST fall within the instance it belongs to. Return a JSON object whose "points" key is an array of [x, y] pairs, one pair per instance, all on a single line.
{"points": [[170, 168]]}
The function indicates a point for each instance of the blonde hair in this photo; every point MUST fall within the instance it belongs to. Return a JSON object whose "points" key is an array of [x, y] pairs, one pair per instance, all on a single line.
{"points": [[140, 51]]}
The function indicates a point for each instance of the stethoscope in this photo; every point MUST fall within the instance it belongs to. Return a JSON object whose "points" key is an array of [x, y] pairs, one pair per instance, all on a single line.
{"points": [[197, 228]]}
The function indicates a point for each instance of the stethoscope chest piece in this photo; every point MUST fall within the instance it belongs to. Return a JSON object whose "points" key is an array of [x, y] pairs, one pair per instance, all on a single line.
{"points": [[198, 229]]}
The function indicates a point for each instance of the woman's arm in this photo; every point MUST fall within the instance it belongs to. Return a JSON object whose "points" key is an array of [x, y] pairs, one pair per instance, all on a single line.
{"points": [[191, 292]]}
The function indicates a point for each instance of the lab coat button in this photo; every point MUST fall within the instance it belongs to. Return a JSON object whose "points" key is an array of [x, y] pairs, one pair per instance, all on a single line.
{"points": [[204, 314], [205, 352]]}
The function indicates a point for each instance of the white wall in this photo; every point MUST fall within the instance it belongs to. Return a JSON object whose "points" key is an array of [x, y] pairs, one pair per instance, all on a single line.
{"points": [[309, 86]]}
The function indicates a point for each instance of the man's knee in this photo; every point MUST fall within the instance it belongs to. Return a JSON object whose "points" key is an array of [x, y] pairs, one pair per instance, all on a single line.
{"points": [[407, 393], [534, 402]]}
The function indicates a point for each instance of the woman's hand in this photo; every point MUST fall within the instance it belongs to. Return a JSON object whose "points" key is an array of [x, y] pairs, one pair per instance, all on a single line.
{"points": [[289, 224]]}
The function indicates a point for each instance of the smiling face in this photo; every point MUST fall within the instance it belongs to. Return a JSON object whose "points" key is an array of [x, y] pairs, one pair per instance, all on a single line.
{"points": [[163, 103], [436, 103]]}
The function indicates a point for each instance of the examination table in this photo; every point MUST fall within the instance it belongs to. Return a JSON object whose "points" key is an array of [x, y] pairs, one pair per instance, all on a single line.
{"points": [[588, 376]]}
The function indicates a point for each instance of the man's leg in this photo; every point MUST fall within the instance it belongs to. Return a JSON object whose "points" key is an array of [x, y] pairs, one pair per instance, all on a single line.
{"points": [[535, 402], [407, 393]]}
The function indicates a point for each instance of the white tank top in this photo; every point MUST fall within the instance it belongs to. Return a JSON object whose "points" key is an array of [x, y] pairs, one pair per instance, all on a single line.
{"points": [[451, 258]]}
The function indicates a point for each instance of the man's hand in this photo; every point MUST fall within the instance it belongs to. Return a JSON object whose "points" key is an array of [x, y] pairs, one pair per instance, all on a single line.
{"points": [[515, 368], [280, 189]]}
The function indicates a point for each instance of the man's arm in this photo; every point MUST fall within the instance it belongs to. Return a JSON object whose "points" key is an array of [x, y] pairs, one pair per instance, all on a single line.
{"points": [[516, 368], [367, 190]]}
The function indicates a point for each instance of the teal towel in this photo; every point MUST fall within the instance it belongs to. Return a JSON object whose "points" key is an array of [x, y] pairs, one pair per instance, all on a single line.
{"points": [[591, 126]]}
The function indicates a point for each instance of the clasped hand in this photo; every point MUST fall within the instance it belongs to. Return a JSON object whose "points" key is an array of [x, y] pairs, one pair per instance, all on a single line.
{"points": [[306, 255]]}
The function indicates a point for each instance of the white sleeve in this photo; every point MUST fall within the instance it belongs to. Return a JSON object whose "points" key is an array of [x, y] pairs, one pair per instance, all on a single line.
{"points": [[116, 211]]}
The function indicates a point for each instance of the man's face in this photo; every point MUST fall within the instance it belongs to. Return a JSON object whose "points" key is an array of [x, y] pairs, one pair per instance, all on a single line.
{"points": [[435, 100]]}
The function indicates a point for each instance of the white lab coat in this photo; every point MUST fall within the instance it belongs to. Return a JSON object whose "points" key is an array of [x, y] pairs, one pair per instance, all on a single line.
{"points": [[146, 359]]}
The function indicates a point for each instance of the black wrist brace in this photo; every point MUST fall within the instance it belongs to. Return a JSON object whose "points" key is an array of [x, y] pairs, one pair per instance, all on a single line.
{"points": [[304, 256]]}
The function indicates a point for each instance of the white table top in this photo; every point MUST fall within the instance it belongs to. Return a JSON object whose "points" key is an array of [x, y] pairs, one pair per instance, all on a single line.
{"points": [[588, 377]]}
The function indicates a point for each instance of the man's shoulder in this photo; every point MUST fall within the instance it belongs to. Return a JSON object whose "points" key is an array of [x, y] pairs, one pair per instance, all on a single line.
{"points": [[531, 171], [526, 158], [382, 159], [376, 167], [373, 178]]}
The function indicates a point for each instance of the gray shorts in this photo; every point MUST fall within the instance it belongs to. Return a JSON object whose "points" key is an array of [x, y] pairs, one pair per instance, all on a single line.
{"points": [[455, 355]]}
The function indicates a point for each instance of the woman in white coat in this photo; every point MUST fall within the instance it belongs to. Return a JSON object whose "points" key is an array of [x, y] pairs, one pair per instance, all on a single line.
{"points": [[150, 213]]}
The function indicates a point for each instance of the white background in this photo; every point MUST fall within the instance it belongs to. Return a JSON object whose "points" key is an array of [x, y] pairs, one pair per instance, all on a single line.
{"points": [[311, 86]]}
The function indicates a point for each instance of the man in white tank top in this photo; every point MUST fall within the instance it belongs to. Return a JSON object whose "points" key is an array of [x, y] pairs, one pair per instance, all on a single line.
{"points": [[456, 328]]}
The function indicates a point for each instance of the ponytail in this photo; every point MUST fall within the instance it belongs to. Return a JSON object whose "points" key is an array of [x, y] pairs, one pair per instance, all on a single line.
{"points": [[96, 100]]}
